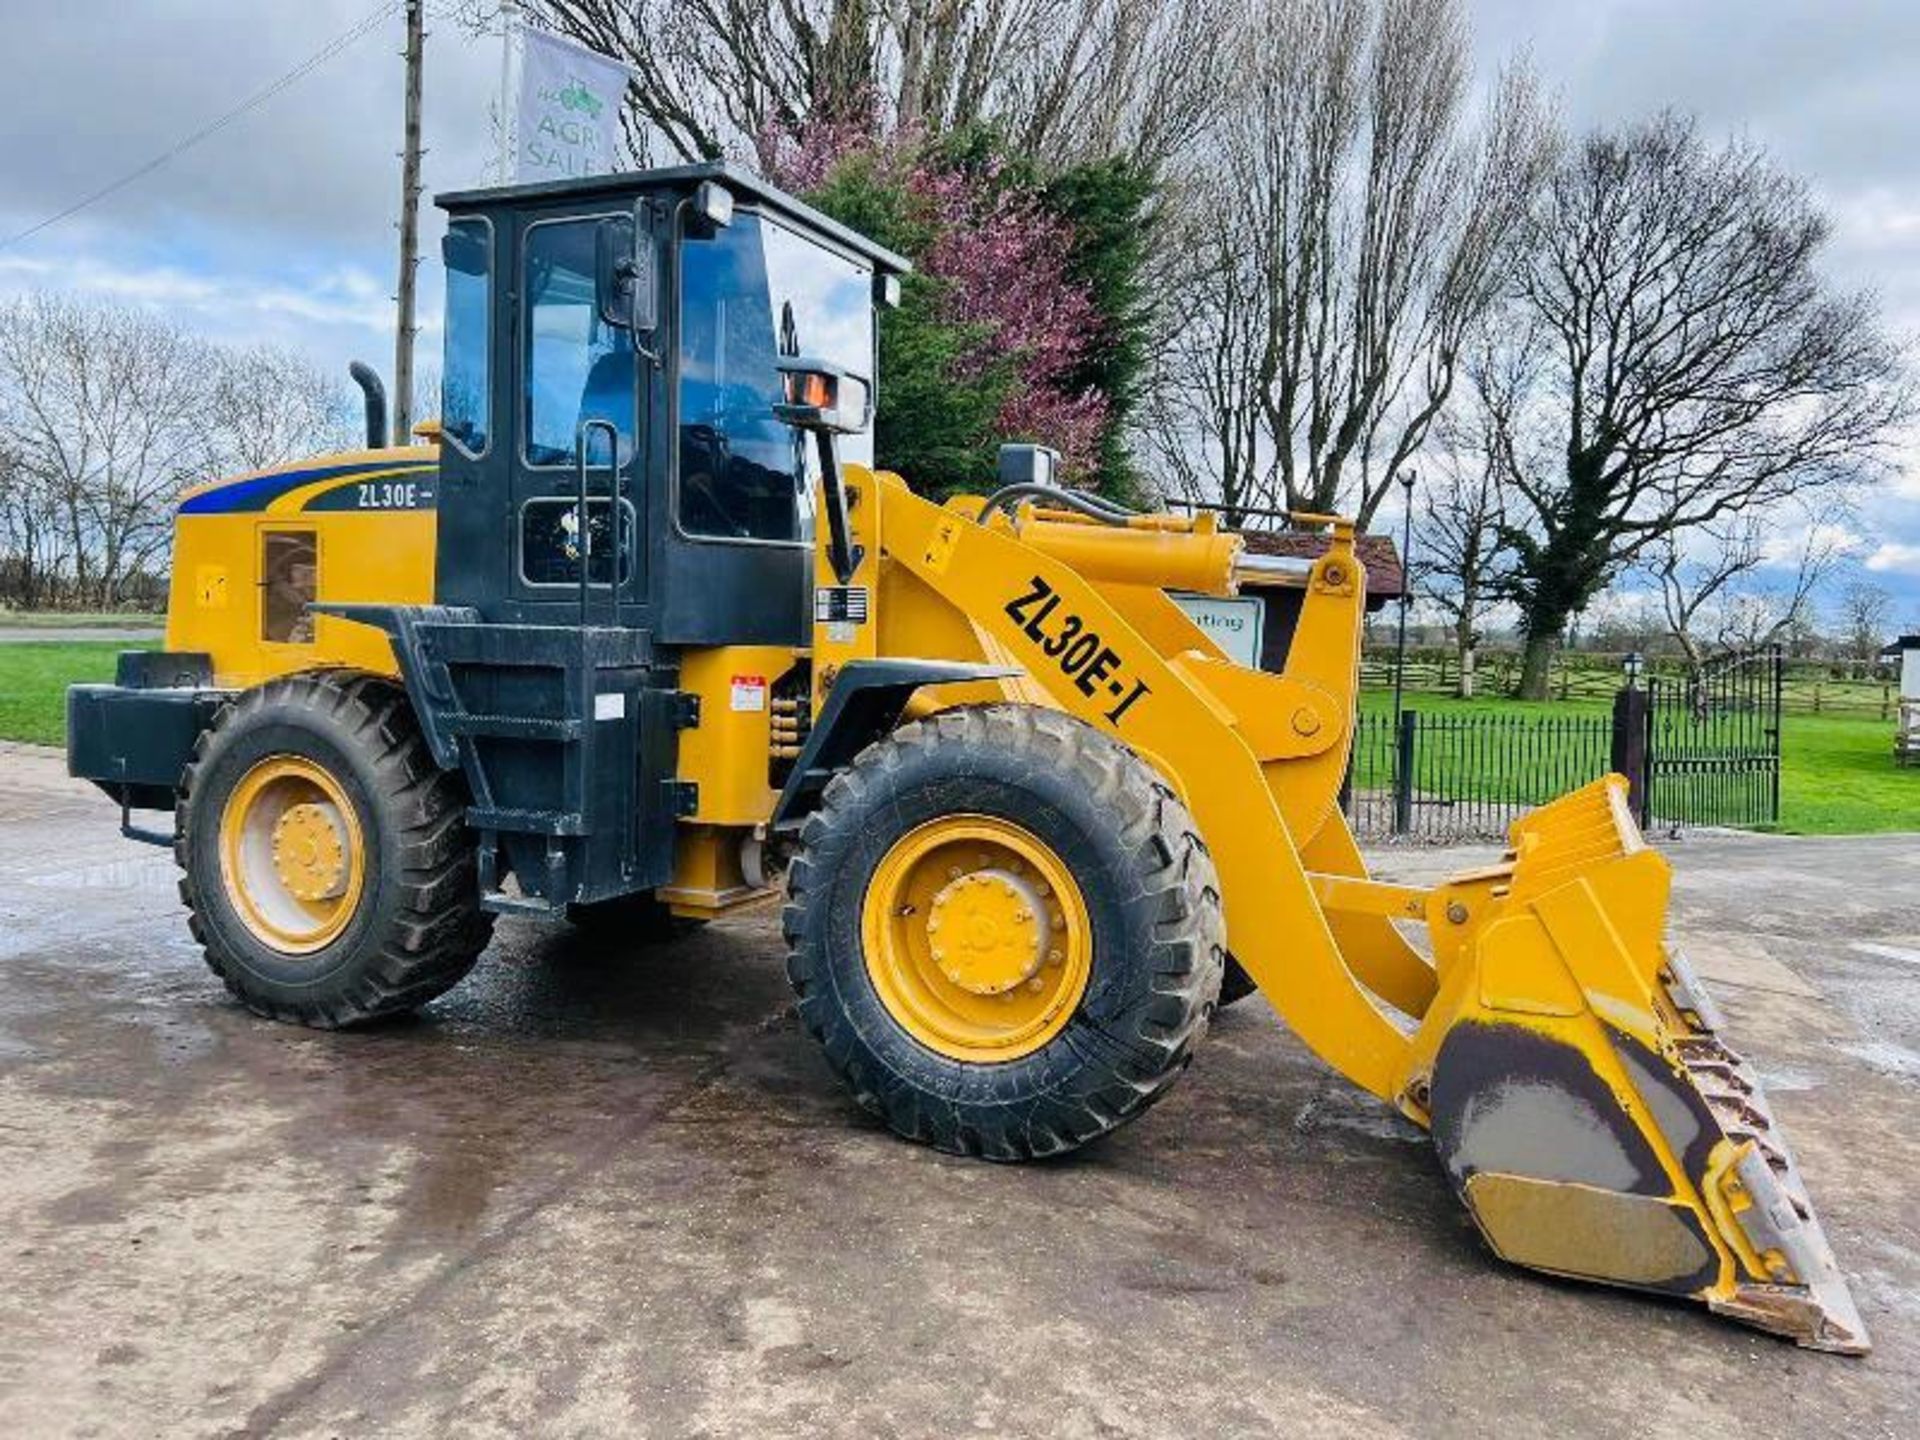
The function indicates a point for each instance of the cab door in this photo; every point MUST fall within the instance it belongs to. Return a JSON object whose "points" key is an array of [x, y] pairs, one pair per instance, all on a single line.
{"points": [[577, 468]]}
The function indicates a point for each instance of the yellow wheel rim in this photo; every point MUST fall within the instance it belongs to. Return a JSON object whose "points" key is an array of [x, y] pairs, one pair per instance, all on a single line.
{"points": [[977, 939], [291, 854]]}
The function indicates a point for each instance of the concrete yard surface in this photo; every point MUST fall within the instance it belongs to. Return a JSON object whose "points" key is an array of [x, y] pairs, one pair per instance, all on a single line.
{"points": [[593, 1193]]}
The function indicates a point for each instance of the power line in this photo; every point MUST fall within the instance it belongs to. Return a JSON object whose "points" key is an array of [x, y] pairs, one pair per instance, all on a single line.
{"points": [[251, 103]]}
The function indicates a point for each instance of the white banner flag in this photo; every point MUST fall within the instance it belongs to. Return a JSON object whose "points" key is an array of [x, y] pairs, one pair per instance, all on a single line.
{"points": [[568, 120]]}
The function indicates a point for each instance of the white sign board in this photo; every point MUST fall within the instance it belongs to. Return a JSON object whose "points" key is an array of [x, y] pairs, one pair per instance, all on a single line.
{"points": [[567, 123], [1910, 674], [1235, 624]]}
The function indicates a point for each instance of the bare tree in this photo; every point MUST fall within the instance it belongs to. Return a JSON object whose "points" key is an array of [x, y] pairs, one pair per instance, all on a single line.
{"points": [[1201, 423], [100, 404], [1064, 80], [1701, 366], [1716, 589], [264, 406], [1865, 611], [1353, 229], [33, 555], [1463, 537], [106, 413]]}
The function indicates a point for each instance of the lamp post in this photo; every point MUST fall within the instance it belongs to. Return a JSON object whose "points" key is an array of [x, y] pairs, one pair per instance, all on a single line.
{"points": [[1406, 595], [1633, 664]]}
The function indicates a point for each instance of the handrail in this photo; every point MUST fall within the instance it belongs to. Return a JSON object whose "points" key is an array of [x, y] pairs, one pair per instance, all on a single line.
{"points": [[580, 436]]}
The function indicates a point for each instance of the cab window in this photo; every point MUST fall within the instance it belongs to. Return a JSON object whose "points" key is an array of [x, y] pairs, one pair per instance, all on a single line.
{"points": [[466, 380], [750, 294], [577, 366], [289, 582]]}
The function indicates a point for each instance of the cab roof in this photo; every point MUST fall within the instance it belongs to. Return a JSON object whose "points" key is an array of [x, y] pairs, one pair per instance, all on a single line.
{"points": [[742, 183]]}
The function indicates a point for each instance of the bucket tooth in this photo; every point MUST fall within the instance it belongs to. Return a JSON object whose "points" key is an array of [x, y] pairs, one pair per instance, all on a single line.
{"points": [[1584, 1104], [1811, 1302], [1688, 995]]}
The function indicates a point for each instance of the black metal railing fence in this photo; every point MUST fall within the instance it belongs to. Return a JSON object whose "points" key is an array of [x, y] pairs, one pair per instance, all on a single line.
{"points": [[1698, 751], [1467, 776]]}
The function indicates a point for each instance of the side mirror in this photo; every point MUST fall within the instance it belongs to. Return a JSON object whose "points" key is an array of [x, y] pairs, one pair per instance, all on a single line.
{"points": [[613, 252], [822, 399], [821, 396], [623, 262]]}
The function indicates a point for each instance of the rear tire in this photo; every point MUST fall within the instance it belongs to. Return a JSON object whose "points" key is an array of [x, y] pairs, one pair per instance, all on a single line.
{"points": [[1100, 820], [327, 770]]}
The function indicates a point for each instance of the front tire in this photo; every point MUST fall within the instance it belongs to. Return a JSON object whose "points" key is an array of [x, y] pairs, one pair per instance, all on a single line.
{"points": [[1004, 932], [328, 872]]}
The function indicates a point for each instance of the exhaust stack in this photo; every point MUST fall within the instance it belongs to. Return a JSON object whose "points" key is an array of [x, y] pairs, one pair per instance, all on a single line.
{"points": [[375, 393]]}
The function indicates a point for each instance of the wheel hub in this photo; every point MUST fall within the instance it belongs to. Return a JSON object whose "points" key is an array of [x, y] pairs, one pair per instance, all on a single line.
{"points": [[292, 854], [308, 854], [977, 939], [989, 931]]}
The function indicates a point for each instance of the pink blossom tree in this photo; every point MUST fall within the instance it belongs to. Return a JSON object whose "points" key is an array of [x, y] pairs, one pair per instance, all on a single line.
{"points": [[997, 261]]}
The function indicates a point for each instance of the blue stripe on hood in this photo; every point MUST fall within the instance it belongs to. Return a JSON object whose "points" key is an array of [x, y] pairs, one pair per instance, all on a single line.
{"points": [[256, 494]]}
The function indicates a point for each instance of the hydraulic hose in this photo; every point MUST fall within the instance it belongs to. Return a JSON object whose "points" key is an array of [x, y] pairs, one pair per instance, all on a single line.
{"points": [[1092, 506]]}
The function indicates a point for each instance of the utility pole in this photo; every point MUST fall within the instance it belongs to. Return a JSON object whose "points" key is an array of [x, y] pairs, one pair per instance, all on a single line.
{"points": [[409, 229]]}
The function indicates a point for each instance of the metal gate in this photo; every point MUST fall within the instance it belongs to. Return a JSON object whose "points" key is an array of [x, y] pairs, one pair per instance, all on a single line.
{"points": [[1713, 744]]}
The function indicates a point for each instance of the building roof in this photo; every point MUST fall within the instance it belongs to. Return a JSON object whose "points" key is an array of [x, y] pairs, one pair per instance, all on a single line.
{"points": [[743, 183], [1386, 580]]}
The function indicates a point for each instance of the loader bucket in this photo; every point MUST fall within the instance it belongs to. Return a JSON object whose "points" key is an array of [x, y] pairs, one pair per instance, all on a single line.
{"points": [[1580, 1098]]}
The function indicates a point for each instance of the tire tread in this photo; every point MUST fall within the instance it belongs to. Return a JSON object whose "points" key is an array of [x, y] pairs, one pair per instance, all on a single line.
{"points": [[1113, 1074], [439, 930]]}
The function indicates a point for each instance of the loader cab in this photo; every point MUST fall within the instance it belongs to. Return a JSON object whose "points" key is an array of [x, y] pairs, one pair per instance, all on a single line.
{"points": [[611, 455]]}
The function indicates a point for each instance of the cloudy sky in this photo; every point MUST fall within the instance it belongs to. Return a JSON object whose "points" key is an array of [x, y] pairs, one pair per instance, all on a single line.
{"points": [[280, 226]]}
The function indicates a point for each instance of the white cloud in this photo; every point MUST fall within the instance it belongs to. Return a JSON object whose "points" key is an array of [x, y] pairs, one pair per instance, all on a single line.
{"points": [[343, 296], [1895, 557], [1877, 218], [1905, 482], [1784, 546]]}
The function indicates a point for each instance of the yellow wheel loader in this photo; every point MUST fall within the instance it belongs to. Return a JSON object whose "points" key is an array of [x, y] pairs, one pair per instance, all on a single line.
{"points": [[640, 636]]}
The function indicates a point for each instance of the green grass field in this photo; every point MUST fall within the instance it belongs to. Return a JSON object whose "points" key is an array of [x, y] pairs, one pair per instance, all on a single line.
{"points": [[1837, 773], [1837, 777], [34, 676]]}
